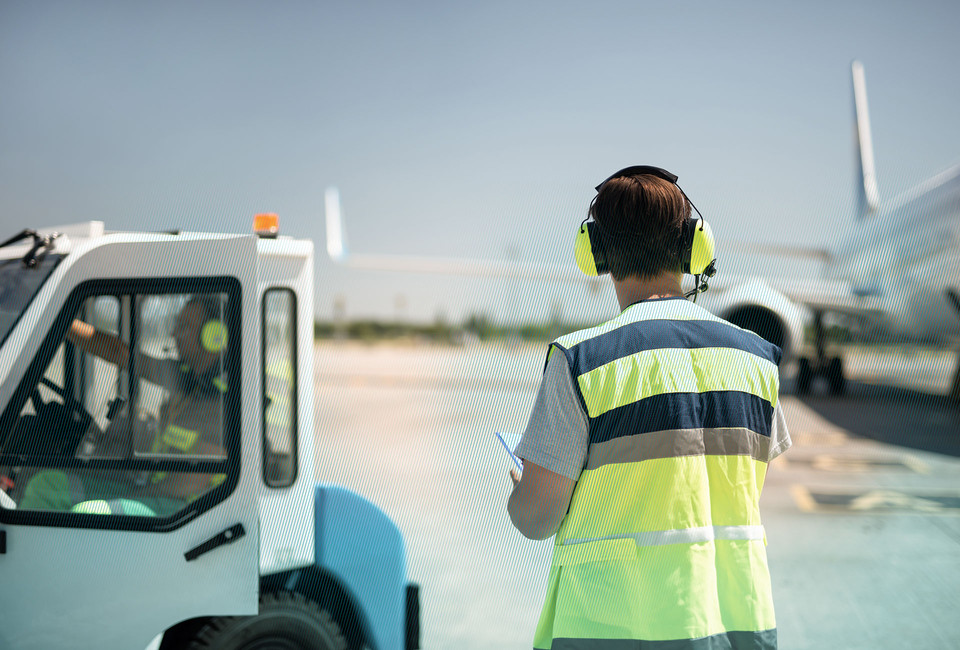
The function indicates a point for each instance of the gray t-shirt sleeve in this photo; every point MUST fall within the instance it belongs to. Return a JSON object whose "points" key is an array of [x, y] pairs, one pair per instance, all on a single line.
{"points": [[557, 436], [779, 436]]}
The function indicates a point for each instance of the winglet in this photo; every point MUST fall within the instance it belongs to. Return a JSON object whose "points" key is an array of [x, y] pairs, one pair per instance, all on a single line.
{"points": [[867, 199], [336, 239]]}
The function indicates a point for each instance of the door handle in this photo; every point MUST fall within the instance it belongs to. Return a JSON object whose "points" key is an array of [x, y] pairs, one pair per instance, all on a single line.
{"points": [[227, 536]]}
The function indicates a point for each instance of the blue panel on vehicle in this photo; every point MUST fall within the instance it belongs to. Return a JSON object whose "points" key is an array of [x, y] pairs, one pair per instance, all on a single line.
{"points": [[363, 549]]}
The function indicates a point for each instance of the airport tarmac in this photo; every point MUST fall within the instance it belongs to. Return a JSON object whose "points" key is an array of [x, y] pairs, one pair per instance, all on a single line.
{"points": [[861, 514]]}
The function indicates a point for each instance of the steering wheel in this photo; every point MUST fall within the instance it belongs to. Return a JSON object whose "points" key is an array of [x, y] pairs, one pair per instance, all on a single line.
{"points": [[79, 421]]}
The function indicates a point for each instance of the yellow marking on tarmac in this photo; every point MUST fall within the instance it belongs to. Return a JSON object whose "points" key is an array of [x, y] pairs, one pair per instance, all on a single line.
{"points": [[916, 465], [831, 463], [888, 499], [874, 502], [849, 464], [801, 495], [827, 463], [820, 438]]}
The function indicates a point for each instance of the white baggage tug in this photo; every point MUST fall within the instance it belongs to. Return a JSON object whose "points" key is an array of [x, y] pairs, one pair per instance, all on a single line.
{"points": [[156, 453]]}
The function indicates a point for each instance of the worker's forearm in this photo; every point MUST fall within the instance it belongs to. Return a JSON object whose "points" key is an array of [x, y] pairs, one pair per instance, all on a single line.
{"points": [[92, 341], [531, 521]]}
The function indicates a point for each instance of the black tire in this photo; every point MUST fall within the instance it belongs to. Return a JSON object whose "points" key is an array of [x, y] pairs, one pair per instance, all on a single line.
{"points": [[804, 376], [286, 621], [838, 383]]}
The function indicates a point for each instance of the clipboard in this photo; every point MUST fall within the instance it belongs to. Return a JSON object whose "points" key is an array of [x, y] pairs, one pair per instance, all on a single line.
{"points": [[516, 461]]}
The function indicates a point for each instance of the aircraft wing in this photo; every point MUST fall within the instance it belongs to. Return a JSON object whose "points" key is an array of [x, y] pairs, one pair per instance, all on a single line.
{"points": [[338, 251], [828, 296], [475, 268], [815, 293], [781, 250]]}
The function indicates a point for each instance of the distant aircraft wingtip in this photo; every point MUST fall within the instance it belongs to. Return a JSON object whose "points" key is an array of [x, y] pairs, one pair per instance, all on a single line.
{"points": [[336, 241], [867, 195]]}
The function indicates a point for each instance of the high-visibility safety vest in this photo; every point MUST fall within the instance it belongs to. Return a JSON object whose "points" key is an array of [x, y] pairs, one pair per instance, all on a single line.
{"points": [[182, 439], [662, 545]]}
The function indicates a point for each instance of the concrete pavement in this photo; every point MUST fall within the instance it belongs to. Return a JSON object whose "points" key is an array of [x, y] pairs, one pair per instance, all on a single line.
{"points": [[861, 515]]}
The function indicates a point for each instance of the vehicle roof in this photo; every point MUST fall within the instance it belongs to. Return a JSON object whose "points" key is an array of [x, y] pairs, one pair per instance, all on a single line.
{"points": [[74, 235]]}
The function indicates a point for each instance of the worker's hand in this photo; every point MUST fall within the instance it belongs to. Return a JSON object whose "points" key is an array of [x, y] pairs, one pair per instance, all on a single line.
{"points": [[515, 477]]}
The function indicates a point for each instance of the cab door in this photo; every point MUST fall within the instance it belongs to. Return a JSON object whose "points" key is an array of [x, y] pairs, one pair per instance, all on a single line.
{"points": [[132, 453]]}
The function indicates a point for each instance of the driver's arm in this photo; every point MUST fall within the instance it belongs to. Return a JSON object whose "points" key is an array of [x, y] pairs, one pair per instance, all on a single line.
{"points": [[112, 349], [100, 344]]}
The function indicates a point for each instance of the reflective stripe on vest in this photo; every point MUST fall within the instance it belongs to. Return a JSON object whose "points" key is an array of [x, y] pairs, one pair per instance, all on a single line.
{"points": [[173, 437], [680, 536], [183, 439], [662, 541]]}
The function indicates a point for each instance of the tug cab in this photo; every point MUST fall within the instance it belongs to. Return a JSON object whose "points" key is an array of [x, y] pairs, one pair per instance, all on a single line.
{"points": [[156, 453]]}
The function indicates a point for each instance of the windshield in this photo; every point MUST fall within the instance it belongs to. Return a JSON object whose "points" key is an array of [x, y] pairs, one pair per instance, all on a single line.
{"points": [[18, 285]]}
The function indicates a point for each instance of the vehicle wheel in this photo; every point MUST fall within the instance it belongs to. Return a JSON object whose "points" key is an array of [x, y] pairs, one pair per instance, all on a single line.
{"points": [[835, 378], [287, 621], [804, 376]]}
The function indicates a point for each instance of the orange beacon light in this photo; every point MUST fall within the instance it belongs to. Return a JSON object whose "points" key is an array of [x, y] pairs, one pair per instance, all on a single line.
{"points": [[266, 224]]}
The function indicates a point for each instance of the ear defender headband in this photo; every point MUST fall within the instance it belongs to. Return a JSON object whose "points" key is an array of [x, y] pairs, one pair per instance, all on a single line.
{"points": [[696, 237]]}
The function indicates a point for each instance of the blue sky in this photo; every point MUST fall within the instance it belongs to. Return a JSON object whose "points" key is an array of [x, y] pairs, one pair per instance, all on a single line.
{"points": [[464, 130]]}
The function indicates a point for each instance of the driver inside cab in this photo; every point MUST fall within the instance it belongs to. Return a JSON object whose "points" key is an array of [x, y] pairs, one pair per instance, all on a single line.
{"points": [[190, 420]]}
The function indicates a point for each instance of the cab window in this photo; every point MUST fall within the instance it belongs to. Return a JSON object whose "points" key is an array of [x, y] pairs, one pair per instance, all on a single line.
{"points": [[279, 387], [126, 410]]}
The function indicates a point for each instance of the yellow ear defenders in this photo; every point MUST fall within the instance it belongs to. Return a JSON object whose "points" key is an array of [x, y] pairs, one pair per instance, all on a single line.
{"points": [[588, 249], [213, 333], [213, 336], [696, 239]]}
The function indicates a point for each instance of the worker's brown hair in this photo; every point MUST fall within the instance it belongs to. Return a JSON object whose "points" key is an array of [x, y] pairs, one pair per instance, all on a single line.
{"points": [[640, 219]]}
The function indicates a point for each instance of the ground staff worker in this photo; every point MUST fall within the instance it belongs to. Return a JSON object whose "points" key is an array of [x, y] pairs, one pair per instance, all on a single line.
{"points": [[648, 444], [191, 418]]}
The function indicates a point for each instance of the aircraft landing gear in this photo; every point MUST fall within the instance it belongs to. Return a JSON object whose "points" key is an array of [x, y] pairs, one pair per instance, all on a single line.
{"points": [[830, 369], [955, 388], [835, 378]]}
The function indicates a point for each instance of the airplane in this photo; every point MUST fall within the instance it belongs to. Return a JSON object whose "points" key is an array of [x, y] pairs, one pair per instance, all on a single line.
{"points": [[896, 273]]}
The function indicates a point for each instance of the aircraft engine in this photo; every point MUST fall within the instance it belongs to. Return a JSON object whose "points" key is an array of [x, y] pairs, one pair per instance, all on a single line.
{"points": [[758, 307]]}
